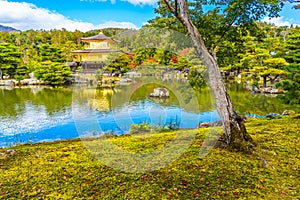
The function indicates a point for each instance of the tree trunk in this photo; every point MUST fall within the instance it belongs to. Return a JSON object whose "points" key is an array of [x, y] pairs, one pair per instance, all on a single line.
{"points": [[265, 81], [236, 135], [273, 79]]}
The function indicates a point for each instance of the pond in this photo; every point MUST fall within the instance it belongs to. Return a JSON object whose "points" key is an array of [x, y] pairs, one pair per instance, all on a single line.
{"points": [[36, 114]]}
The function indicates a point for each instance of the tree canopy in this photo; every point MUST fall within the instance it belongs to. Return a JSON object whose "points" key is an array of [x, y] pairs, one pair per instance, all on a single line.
{"points": [[10, 59], [222, 24]]}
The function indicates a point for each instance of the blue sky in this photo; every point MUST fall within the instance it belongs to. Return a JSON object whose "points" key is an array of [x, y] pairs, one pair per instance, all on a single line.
{"points": [[91, 14], [100, 11]]}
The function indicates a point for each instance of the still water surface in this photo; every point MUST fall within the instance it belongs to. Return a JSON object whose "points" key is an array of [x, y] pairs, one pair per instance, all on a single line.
{"points": [[29, 115]]}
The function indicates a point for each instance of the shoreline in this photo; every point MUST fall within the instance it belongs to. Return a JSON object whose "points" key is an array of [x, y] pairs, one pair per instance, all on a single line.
{"points": [[69, 170], [201, 125]]}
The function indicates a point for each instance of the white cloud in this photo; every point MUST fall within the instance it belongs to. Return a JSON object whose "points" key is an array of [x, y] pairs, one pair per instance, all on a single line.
{"points": [[145, 23], [279, 21], [114, 24], [134, 2], [24, 16], [142, 2]]}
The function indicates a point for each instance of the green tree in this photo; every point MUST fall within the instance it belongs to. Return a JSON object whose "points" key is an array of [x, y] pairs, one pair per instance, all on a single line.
{"points": [[244, 57], [21, 72], [10, 59], [142, 54], [292, 47], [222, 27], [53, 73], [259, 59], [51, 67], [120, 64], [51, 53], [292, 55], [182, 64], [270, 68], [66, 50], [164, 56]]}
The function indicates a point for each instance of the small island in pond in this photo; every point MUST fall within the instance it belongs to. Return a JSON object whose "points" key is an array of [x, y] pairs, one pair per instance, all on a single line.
{"points": [[160, 93]]}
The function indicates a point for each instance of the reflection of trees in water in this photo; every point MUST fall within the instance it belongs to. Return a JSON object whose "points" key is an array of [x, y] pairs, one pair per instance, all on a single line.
{"points": [[13, 102], [54, 99], [181, 94], [260, 104]]}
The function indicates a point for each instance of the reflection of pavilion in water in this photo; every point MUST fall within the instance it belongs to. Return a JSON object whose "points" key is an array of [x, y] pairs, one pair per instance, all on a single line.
{"points": [[100, 99], [181, 94]]}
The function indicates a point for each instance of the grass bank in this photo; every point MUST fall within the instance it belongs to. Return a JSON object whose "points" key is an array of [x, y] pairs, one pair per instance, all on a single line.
{"points": [[67, 170]]}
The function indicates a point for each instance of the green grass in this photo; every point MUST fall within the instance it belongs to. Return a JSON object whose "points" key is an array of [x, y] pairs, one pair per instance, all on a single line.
{"points": [[67, 170]]}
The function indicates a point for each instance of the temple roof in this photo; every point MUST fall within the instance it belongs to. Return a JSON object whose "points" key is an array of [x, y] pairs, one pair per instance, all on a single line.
{"points": [[100, 36], [95, 51]]}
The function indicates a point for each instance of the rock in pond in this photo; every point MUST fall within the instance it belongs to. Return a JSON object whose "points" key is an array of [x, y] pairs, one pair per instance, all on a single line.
{"points": [[160, 92]]}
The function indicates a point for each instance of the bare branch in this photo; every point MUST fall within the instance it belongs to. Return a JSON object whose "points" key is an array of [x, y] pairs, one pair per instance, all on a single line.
{"points": [[174, 10]]}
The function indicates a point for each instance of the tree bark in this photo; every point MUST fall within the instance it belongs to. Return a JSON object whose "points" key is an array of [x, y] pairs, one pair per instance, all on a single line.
{"points": [[273, 79], [235, 135], [265, 81]]}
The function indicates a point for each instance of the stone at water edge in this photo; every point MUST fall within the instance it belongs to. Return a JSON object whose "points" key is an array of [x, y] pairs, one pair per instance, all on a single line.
{"points": [[7, 83], [209, 124], [203, 125], [10, 151], [273, 115], [288, 112], [254, 116], [270, 90]]}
